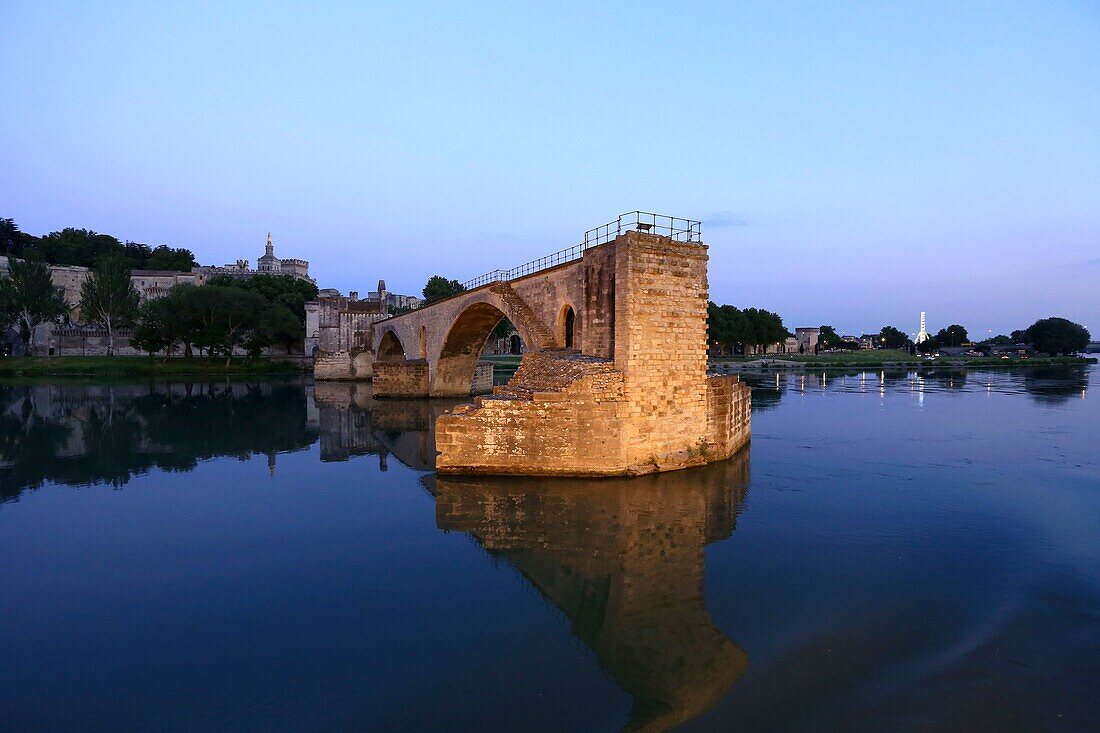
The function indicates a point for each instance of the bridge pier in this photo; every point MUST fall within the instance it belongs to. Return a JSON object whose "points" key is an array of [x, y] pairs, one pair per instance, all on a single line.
{"points": [[406, 378]]}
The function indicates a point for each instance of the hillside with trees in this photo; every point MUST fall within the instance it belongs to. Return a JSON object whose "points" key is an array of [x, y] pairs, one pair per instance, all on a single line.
{"points": [[84, 248]]}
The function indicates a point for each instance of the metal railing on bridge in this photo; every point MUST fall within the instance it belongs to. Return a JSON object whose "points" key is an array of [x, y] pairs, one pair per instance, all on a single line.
{"points": [[683, 230]]}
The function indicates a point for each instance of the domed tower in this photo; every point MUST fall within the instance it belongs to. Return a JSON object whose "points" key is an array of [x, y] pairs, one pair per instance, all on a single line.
{"points": [[269, 262]]}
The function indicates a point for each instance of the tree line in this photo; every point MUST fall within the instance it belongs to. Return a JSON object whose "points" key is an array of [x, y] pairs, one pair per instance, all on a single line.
{"points": [[84, 248], [1053, 336], [225, 314], [734, 330]]}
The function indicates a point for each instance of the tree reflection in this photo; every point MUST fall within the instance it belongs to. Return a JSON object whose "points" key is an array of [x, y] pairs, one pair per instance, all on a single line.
{"points": [[108, 433], [1054, 385], [623, 559]]}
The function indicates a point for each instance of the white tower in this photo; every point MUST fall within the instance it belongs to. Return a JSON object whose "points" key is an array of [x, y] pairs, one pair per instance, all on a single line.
{"points": [[923, 335]]}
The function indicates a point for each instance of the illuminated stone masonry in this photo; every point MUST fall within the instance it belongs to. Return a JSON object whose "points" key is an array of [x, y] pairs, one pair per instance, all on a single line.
{"points": [[629, 395]]}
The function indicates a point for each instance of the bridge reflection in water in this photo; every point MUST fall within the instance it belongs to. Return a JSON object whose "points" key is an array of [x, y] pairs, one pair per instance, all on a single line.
{"points": [[623, 559]]}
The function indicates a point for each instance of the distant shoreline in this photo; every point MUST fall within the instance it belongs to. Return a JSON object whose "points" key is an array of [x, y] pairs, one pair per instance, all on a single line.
{"points": [[764, 364]]}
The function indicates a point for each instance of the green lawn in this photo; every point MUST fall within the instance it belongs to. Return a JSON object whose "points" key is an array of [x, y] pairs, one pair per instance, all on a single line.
{"points": [[128, 366]]}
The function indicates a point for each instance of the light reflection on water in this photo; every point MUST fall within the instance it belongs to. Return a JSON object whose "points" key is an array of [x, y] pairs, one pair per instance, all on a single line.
{"points": [[911, 549], [1044, 384]]}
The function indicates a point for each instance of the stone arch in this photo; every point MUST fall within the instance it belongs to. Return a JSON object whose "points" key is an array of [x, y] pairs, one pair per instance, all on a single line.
{"points": [[468, 332], [567, 326], [466, 337], [390, 347], [515, 344]]}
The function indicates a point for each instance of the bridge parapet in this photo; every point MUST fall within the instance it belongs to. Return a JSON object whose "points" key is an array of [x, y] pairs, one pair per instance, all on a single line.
{"points": [[673, 227]]}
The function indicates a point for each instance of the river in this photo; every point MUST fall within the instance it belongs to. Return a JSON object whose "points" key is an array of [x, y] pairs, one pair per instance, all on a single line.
{"points": [[896, 550]]}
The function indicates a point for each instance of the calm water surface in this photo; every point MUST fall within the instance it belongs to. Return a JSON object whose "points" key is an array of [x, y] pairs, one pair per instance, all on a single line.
{"points": [[893, 552]]}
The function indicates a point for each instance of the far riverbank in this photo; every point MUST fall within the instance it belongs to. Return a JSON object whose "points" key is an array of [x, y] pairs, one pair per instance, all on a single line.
{"points": [[885, 358], [138, 366]]}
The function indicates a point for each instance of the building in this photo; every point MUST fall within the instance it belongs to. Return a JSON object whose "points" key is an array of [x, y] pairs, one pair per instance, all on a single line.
{"points": [[148, 283], [338, 324], [393, 300], [807, 339], [267, 264], [788, 345]]}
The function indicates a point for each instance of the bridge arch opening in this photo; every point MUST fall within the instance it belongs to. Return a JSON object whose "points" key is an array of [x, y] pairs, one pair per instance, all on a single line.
{"points": [[462, 347], [515, 345], [390, 348], [567, 321]]}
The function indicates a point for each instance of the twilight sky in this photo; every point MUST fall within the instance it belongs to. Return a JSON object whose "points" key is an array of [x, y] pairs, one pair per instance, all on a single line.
{"points": [[852, 165]]}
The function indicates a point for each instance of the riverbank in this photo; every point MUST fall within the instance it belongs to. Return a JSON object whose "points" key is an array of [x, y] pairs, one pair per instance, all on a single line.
{"points": [[136, 366], [825, 361]]}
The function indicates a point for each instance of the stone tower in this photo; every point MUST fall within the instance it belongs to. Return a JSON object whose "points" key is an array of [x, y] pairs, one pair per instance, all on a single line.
{"points": [[269, 262]]}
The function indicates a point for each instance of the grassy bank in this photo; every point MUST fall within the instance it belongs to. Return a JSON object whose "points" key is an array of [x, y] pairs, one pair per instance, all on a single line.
{"points": [[136, 366], [854, 358]]}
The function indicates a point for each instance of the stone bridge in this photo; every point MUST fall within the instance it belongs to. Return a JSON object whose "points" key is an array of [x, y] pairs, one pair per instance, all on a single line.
{"points": [[614, 380]]}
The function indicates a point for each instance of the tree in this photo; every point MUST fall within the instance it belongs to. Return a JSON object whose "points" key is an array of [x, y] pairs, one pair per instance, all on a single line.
{"points": [[718, 326], [237, 311], [164, 257], [501, 330], [81, 247], [11, 239], [999, 340], [727, 326], [285, 291], [1057, 336], [439, 287], [84, 248], [108, 297], [136, 254], [828, 338], [892, 338], [30, 298], [277, 325], [1019, 337], [159, 326], [763, 328], [292, 292], [219, 318], [953, 335], [188, 308], [929, 345]]}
